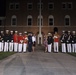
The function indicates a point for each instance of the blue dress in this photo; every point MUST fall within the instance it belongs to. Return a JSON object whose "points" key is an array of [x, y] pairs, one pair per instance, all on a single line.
{"points": [[29, 43]]}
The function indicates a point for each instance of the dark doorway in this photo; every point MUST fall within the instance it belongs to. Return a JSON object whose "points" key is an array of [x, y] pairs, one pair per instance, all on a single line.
{"points": [[55, 29]]}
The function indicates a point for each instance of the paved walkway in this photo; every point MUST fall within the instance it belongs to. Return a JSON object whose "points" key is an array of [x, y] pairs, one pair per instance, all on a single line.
{"points": [[38, 63]]}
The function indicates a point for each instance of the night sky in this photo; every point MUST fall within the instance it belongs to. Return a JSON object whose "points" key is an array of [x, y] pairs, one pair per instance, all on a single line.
{"points": [[2, 7]]}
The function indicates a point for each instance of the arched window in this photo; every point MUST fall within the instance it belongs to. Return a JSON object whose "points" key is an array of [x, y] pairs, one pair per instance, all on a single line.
{"points": [[29, 20], [51, 20], [67, 20], [38, 20], [14, 20]]}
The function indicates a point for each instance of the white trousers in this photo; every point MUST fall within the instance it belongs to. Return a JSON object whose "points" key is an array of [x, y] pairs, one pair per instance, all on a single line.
{"points": [[56, 47], [69, 48], [20, 47], [74, 48], [49, 47], [11, 46], [24, 47], [63, 47], [0, 47], [6, 47], [15, 47]]}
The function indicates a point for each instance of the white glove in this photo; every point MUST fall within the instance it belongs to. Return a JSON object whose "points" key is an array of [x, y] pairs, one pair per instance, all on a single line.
{"points": [[72, 41], [11, 40], [61, 41], [2, 40], [21, 41], [7, 40]]}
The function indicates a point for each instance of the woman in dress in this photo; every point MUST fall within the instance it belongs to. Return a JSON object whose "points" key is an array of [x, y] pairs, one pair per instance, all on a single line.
{"points": [[45, 42]]}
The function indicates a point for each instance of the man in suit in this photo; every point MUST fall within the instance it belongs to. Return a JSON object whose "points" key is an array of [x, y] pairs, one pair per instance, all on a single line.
{"points": [[30, 42]]}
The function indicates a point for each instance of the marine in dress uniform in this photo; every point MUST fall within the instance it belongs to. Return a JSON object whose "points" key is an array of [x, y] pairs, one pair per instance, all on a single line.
{"points": [[69, 41], [25, 42], [30, 42], [63, 41], [11, 41], [20, 42], [56, 42], [6, 41], [74, 42], [50, 41], [15, 39], [2, 38], [0, 43]]}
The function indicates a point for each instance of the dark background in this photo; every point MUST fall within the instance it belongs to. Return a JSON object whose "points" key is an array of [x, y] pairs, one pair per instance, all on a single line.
{"points": [[2, 8]]}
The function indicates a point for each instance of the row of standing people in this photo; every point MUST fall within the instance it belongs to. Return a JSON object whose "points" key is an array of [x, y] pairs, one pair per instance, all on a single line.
{"points": [[67, 41], [10, 41]]}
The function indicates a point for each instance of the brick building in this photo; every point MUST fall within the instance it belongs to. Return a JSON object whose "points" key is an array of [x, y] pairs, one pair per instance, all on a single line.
{"points": [[23, 15]]}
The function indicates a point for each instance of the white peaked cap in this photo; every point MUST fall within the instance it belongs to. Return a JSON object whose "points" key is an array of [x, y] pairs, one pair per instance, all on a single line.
{"points": [[16, 31], [73, 31], [11, 31], [7, 30], [25, 32], [20, 33], [1, 31], [68, 31], [49, 33], [63, 31]]}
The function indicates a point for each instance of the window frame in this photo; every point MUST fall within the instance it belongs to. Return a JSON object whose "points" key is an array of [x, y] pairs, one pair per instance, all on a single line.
{"points": [[51, 17], [65, 5], [18, 7], [49, 6], [29, 17], [13, 17], [10, 6], [28, 6], [67, 17], [38, 6], [71, 5]]}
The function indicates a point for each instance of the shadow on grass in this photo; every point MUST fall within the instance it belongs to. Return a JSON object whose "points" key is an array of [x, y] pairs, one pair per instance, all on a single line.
{"points": [[5, 54], [73, 54]]}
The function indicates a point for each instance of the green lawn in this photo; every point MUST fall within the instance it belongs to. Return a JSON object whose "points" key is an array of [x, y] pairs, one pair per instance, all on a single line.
{"points": [[73, 54], [5, 54]]}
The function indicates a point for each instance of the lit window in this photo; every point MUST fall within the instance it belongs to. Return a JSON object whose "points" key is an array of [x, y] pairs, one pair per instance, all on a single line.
{"points": [[16, 6], [11, 6], [51, 20], [30, 6], [51, 6], [67, 20], [14, 20], [29, 20]]}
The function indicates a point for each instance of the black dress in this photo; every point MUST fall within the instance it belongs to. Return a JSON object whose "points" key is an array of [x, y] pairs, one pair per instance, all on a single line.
{"points": [[29, 43]]}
